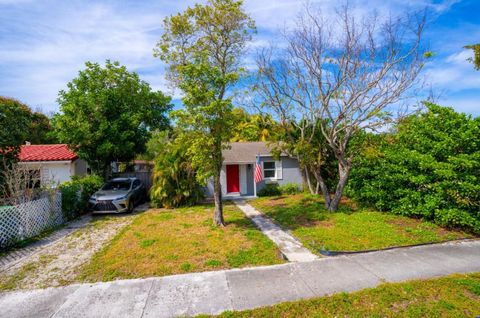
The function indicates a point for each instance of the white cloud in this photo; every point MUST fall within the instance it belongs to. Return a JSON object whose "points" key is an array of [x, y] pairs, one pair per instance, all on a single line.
{"points": [[454, 73], [469, 105], [43, 44]]}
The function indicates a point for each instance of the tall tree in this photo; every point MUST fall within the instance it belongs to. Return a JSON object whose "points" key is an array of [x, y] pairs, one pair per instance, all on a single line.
{"points": [[18, 124], [107, 114], [203, 47], [41, 130], [15, 119], [337, 76]]}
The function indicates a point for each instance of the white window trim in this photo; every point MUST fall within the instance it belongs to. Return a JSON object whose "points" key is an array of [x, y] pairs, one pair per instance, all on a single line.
{"points": [[274, 170], [278, 170]]}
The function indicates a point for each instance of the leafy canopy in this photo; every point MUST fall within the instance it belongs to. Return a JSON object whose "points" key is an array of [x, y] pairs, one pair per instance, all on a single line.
{"points": [[107, 114], [203, 47], [18, 124], [253, 127]]}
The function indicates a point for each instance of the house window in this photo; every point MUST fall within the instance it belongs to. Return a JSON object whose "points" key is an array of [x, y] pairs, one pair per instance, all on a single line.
{"points": [[269, 169]]}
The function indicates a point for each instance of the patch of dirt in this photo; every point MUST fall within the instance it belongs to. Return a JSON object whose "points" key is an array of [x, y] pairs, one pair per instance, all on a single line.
{"points": [[326, 224], [278, 203], [58, 264], [349, 203], [403, 222]]}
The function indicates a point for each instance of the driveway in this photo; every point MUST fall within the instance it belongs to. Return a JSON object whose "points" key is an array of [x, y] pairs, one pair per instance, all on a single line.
{"points": [[56, 259]]}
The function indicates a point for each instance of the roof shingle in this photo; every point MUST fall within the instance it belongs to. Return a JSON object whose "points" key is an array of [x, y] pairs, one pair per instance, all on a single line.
{"points": [[55, 152], [245, 152]]}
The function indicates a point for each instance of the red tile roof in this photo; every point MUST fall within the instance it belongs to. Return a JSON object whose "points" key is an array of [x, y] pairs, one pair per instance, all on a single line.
{"points": [[56, 152]]}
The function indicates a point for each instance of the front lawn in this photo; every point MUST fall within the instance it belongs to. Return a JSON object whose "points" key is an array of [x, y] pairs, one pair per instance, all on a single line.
{"points": [[172, 241], [452, 296], [350, 228]]}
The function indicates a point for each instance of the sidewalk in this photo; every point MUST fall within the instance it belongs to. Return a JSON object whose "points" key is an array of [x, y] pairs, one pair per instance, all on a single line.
{"points": [[215, 292]]}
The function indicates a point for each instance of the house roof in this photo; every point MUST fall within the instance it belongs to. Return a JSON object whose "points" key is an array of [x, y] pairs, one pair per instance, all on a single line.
{"points": [[55, 152], [245, 152]]}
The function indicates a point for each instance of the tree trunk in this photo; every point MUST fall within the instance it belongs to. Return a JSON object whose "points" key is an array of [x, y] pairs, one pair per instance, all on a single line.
{"points": [[323, 187], [343, 172], [217, 187], [217, 195], [307, 180]]}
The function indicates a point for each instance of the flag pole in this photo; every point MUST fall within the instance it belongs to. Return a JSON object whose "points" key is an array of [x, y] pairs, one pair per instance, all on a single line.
{"points": [[254, 170]]}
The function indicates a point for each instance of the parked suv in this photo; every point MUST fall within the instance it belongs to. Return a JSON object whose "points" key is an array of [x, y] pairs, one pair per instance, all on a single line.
{"points": [[118, 195]]}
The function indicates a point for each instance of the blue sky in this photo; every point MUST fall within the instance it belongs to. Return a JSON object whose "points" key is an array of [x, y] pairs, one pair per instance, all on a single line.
{"points": [[44, 43]]}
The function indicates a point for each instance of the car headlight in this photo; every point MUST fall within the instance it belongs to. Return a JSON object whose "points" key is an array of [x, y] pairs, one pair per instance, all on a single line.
{"points": [[122, 198], [93, 198]]}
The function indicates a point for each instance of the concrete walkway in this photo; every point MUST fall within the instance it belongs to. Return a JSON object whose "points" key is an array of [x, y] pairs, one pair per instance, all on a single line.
{"points": [[215, 292], [289, 246]]}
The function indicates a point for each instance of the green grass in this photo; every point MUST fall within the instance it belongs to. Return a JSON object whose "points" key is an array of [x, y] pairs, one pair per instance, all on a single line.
{"points": [[452, 296], [164, 242], [350, 228]]}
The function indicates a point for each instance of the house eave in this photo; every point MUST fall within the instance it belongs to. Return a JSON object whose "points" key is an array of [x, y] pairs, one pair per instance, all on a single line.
{"points": [[44, 162]]}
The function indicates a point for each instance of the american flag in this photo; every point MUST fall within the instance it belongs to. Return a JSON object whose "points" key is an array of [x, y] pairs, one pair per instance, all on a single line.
{"points": [[258, 171]]}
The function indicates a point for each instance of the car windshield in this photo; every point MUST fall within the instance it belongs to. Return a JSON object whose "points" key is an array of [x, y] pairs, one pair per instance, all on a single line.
{"points": [[117, 185]]}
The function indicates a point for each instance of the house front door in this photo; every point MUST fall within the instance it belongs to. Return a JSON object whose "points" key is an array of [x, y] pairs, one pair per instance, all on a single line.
{"points": [[233, 178]]}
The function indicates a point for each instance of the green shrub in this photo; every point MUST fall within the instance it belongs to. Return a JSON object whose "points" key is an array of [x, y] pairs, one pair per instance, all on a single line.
{"points": [[89, 185], [174, 179], [270, 189], [70, 199], [289, 188], [75, 194], [430, 168]]}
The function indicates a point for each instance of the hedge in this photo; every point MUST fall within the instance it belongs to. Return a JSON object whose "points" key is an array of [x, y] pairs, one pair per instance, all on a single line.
{"points": [[76, 193]]}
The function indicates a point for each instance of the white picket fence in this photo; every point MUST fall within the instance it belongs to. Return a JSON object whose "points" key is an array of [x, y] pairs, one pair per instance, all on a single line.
{"points": [[26, 220]]}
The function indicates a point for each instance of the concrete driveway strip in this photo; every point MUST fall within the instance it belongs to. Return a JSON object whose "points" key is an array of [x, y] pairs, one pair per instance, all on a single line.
{"points": [[237, 289]]}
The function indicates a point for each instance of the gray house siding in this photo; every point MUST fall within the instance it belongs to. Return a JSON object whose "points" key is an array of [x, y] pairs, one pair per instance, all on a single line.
{"points": [[290, 172]]}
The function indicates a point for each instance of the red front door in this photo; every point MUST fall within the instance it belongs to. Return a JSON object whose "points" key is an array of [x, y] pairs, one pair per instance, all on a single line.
{"points": [[233, 179]]}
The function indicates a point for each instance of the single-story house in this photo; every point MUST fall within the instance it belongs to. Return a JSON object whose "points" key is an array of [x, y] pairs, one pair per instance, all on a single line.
{"points": [[238, 170], [53, 164]]}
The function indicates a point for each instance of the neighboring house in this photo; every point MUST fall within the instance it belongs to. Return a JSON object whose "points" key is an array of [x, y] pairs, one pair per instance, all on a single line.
{"points": [[53, 164], [237, 175]]}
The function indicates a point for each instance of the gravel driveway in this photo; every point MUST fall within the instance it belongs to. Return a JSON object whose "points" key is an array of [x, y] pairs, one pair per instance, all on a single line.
{"points": [[59, 262]]}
